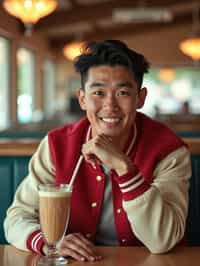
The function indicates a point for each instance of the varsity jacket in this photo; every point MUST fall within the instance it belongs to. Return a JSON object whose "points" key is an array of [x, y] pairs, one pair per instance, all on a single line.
{"points": [[150, 202]]}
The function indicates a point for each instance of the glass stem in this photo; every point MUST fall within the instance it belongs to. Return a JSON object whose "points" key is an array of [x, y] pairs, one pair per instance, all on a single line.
{"points": [[52, 251]]}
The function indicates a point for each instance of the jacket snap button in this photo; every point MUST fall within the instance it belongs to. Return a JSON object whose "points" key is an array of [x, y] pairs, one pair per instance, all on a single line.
{"points": [[94, 204], [119, 210], [98, 178]]}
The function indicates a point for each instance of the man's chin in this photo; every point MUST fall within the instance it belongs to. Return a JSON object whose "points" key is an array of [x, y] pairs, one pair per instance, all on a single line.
{"points": [[111, 134]]}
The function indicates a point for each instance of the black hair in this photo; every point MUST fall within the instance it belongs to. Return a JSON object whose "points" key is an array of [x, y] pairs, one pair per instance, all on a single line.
{"points": [[112, 53]]}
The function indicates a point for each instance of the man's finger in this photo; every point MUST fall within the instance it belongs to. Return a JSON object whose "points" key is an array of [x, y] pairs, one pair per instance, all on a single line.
{"points": [[74, 246]]}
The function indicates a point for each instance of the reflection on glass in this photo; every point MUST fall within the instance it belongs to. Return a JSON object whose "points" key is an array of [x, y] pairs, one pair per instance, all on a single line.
{"points": [[25, 85], [49, 88]]}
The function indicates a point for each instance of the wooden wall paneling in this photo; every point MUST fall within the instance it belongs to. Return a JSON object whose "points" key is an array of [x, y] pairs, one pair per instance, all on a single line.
{"points": [[38, 82]]}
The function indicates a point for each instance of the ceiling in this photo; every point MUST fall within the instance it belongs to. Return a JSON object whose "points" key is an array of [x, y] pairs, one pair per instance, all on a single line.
{"points": [[101, 19], [97, 19]]}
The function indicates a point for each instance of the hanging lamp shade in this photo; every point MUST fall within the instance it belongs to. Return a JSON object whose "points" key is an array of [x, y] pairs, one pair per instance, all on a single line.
{"points": [[73, 50], [191, 47], [30, 11], [167, 74]]}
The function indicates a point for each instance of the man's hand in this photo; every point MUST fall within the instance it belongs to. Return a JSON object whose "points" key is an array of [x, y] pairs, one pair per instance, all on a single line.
{"points": [[101, 149], [77, 247]]}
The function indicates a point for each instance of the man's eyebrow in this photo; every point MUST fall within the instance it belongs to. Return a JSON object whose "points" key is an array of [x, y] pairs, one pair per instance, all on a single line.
{"points": [[125, 84], [121, 84], [96, 84]]}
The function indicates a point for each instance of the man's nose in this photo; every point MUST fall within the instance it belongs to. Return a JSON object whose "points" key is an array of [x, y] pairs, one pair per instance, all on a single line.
{"points": [[110, 101]]}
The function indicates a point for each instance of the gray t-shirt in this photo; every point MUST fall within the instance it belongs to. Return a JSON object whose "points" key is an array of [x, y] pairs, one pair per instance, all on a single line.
{"points": [[106, 233]]}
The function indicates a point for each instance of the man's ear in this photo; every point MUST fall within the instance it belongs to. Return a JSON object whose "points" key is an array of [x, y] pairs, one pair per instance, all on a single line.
{"points": [[141, 97], [81, 98]]}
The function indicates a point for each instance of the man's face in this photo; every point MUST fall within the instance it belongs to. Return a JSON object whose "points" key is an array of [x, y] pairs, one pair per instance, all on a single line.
{"points": [[110, 100]]}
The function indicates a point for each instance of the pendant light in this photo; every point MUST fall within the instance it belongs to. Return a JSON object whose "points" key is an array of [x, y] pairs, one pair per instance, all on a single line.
{"points": [[72, 50], [191, 45], [29, 11]]}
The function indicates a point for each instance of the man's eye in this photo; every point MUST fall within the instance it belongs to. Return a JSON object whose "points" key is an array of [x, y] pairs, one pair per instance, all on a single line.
{"points": [[98, 93], [123, 92]]}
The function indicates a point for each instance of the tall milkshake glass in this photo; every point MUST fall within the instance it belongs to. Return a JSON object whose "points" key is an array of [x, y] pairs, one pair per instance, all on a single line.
{"points": [[54, 208]]}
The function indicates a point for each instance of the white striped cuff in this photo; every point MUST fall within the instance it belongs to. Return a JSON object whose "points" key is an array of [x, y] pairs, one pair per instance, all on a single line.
{"points": [[132, 180], [134, 186], [35, 241]]}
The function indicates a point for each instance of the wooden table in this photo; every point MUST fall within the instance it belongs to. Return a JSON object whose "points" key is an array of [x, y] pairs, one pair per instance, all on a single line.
{"points": [[112, 256]]}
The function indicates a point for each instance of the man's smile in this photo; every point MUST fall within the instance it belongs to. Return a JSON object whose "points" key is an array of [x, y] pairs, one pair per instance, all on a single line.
{"points": [[110, 119]]}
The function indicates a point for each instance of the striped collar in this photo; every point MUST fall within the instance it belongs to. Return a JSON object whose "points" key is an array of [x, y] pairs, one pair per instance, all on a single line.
{"points": [[131, 141]]}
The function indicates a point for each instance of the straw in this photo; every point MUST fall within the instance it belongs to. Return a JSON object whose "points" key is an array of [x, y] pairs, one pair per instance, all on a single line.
{"points": [[76, 170]]}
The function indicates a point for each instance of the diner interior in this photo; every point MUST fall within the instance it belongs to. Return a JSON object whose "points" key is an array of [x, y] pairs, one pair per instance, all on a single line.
{"points": [[38, 82]]}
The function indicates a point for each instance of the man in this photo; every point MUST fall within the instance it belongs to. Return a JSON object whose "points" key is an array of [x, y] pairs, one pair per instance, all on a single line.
{"points": [[132, 186]]}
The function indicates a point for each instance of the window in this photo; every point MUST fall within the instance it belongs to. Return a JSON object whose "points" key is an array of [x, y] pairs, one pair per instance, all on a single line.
{"points": [[4, 82], [170, 90], [49, 88], [25, 84]]}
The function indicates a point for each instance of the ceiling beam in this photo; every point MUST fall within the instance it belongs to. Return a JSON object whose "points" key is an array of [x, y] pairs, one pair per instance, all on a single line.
{"points": [[92, 12], [82, 13], [119, 31]]}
